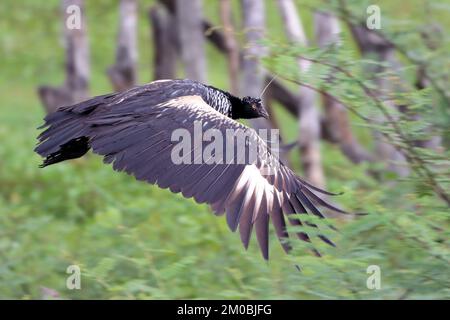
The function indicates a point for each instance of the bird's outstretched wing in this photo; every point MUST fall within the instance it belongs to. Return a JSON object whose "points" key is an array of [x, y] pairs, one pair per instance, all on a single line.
{"points": [[138, 138]]}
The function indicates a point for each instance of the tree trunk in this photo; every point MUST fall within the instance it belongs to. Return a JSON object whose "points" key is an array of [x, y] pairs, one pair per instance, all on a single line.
{"points": [[123, 74], [336, 121], [231, 44], [434, 142], [309, 121], [77, 67], [190, 32], [253, 78], [164, 42], [372, 45]]}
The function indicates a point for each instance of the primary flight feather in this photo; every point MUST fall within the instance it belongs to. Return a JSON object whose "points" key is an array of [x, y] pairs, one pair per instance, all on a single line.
{"points": [[133, 130]]}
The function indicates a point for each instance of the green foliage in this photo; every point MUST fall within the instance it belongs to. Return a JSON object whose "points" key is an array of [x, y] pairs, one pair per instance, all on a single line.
{"points": [[407, 225], [135, 241]]}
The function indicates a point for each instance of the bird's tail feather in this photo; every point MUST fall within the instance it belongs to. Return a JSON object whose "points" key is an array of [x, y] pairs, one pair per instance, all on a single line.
{"points": [[66, 136], [72, 149]]}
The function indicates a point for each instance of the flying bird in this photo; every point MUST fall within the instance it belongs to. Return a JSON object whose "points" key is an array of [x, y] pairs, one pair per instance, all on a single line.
{"points": [[132, 130]]}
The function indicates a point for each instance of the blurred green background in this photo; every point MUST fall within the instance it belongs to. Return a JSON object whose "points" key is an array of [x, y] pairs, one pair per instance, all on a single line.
{"points": [[136, 241]]}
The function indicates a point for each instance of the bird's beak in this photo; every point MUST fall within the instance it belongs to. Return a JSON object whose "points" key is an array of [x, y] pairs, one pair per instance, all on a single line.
{"points": [[264, 113]]}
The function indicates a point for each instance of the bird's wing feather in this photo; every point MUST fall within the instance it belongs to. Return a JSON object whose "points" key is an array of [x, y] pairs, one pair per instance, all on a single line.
{"points": [[135, 135]]}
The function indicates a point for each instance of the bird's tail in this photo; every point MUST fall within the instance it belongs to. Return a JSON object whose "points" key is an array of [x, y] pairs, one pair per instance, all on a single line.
{"points": [[63, 139], [66, 135], [72, 149]]}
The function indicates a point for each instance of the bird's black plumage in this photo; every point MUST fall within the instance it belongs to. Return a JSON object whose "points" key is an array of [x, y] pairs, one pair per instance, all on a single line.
{"points": [[132, 130]]}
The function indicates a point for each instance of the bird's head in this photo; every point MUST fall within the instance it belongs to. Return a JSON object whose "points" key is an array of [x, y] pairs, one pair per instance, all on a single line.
{"points": [[252, 108]]}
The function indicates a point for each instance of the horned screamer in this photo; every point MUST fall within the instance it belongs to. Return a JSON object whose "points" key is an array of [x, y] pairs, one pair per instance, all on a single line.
{"points": [[133, 130]]}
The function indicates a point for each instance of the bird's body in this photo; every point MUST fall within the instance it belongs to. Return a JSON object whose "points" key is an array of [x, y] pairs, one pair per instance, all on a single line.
{"points": [[133, 130]]}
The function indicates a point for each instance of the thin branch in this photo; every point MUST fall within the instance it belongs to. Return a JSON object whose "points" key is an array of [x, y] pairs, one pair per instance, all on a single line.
{"points": [[407, 149], [346, 16], [412, 156]]}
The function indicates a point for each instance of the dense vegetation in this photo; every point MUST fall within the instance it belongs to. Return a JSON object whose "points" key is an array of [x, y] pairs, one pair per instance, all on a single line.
{"points": [[132, 240]]}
